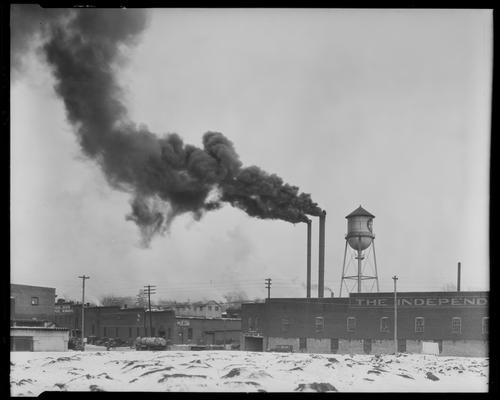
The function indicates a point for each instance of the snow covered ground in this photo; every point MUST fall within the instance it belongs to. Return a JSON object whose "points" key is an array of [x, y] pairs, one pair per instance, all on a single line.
{"points": [[241, 371]]}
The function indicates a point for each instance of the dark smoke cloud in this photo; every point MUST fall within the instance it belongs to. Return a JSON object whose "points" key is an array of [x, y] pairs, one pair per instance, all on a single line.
{"points": [[28, 23], [166, 176]]}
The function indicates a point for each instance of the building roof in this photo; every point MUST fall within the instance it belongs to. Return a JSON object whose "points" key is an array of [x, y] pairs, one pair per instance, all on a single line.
{"points": [[39, 328], [360, 211]]}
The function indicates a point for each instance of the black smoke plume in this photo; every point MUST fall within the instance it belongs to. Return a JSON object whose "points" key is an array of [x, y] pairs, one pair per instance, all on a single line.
{"points": [[165, 176]]}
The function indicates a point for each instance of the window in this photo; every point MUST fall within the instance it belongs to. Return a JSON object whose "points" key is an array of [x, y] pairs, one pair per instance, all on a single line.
{"points": [[190, 333], [138, 331], [209, 308], [216, 308], [130, 332], [105, 332], [302, 343], [34, 301], [250, 326], [93, 329], [384, 324], [351, 324], [419, 324], [256, 323], [456, 325], [486, 323], [320, 324], [169, 333], [152, 331], [116, 332], [285, 324]]}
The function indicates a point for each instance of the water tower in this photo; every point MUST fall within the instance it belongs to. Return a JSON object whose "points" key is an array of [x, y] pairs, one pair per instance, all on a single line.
{"points": [[361, 240]]}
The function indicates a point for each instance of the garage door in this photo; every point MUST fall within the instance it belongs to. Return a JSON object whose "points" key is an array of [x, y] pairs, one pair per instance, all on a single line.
{"points": [[21, 343], [254, 343]]}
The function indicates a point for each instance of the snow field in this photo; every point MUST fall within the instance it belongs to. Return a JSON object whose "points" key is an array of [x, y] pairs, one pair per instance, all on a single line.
{"points": [[242, 371]]}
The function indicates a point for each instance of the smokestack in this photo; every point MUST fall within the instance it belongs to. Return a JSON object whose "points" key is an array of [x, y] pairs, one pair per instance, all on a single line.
{"points": [[458, 276], [309, 222], [321, 270]]}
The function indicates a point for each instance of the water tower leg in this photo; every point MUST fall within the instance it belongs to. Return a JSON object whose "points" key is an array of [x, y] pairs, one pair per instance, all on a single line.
{"points": [[359, 264], [375, 261], [343, 270]]}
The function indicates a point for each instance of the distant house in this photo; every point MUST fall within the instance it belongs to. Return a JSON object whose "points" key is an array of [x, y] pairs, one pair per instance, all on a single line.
{"points": [[208, 309], [32, 320]]}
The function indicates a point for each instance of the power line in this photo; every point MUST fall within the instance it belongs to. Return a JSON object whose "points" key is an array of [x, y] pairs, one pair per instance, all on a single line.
{"points": [[83, 278], [150, 291], [268, 286]]}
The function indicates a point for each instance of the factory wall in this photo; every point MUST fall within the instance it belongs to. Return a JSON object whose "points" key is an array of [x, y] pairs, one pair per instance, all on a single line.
{"points": [[199, 330], [32, 302], [363, 323]]}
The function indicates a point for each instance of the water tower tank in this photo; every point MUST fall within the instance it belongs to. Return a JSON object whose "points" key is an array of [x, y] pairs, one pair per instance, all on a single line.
{"points": [[359, 229]]}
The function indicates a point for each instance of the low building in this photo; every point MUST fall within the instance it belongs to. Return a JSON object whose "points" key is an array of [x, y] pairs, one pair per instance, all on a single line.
{"points": [[364, 323], [32, 320], [33, 338], [207, 331], [129, 323]]}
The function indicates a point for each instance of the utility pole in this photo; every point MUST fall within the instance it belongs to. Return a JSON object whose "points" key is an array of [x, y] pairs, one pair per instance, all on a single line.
{"points": [[150, 290], [268, 286], [395, 278], [83, 307]]}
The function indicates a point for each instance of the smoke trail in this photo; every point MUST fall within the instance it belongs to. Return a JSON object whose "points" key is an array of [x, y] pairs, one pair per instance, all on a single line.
{"points": [[165, 176], [28, 25]]}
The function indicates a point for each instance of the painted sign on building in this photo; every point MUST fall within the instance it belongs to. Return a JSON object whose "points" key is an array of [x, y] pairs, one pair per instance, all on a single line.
{"points": [[405, 301], [183, 322]]}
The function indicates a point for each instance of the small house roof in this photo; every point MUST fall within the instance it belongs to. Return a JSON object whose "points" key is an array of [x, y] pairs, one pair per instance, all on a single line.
{"points": [[360, 211]]}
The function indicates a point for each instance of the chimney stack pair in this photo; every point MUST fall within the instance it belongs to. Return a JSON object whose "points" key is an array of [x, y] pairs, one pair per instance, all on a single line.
{"points": [[321, 263]]}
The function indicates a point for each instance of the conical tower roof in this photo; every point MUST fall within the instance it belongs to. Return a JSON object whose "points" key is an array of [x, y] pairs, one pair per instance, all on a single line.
{"points": [[360, 211]]}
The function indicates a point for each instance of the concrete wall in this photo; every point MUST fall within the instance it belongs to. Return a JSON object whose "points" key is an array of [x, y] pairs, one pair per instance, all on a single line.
{"points": [[44, 339], [315, 345], [354, 346], [382, 347], [23, 309], [465, 348], [275, 341], [462, 348]]}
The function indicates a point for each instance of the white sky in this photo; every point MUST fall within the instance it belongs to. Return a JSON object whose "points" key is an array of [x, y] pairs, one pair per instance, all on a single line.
{"points": [[387, 109]]}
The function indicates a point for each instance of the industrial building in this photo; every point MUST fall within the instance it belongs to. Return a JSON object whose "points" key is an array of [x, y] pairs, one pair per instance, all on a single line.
{"points": [[364, 323], [364, 320], [129, 323], [32, 320]]}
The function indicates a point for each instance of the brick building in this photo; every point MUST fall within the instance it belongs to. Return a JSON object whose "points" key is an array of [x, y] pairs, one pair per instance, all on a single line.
{"points": [[129, 323], [33, 303], [364, 323]]}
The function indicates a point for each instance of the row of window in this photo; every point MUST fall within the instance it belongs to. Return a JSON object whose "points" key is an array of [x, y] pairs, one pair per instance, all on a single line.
{"points": [[456, 324]]}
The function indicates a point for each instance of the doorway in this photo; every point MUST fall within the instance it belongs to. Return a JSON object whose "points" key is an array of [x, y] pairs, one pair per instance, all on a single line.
{"points": [[253, 343]]}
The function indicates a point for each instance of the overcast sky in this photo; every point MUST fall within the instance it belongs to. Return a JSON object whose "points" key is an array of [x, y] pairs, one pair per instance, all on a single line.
{"points": [[388, 109]]}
